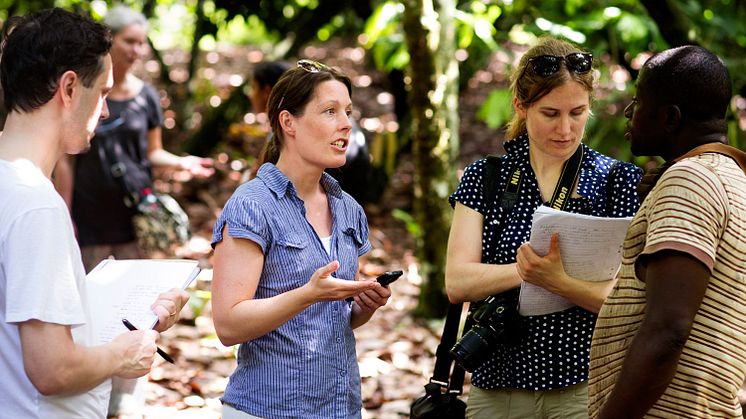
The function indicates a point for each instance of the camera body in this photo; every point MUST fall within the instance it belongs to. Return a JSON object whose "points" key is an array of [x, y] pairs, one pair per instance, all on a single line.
{"points": [[495, 319]]}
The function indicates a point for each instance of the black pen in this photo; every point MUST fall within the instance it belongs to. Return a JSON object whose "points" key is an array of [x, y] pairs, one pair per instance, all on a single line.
{"points": [[160, 351]]}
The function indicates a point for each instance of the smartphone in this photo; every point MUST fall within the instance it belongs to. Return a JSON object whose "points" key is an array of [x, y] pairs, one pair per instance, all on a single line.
{"points": [[388, 277]]}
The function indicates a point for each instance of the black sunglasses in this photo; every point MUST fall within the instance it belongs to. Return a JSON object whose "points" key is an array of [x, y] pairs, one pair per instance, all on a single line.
{"points": [[309, 66], [546, 65]]}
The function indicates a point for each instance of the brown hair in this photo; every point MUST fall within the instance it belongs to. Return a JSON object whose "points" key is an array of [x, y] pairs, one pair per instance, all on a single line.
{"points": [[292, 92], [528, 87]]}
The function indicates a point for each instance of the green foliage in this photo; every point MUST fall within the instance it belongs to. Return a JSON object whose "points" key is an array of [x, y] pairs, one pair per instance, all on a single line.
{"points": [[413, 228], [475, 33], [497, 108], [198, 299]]}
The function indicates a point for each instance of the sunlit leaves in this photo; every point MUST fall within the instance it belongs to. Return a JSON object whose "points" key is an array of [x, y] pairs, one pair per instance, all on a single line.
{"points": [[497, 109]]}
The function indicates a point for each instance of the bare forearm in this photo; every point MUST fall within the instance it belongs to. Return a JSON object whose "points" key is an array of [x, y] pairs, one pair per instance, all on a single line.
{"points": [[587, 294], [648, 369], [359, 316], [86, 368], [161, 157], [70, 368], [477, 281], [253, 318]]}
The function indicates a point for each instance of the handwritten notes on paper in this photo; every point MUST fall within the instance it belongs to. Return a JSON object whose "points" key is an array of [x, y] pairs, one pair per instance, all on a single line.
{"points": [[120, 289], [590, 248]]}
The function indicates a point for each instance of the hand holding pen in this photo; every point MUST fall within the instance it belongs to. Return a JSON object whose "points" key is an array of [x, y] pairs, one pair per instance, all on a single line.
{"points": [[160, 351]]}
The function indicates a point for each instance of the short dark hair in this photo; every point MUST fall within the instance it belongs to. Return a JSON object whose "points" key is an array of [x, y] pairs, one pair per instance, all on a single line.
{"points": [[692, 78], [292, 92], [267, 73], [38, 48]]}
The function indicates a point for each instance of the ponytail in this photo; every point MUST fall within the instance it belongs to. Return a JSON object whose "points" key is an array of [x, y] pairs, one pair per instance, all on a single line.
{"points": [[270, 152]]}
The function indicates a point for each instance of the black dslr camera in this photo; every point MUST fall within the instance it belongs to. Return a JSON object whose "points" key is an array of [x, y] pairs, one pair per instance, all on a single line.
{"points": [[495, 319]]}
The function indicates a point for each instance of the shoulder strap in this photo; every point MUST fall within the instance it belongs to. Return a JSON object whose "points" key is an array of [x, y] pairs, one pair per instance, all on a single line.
{"points": [[651, 177], [738, 155], [443, 358], [490, 181], [568, 177]]}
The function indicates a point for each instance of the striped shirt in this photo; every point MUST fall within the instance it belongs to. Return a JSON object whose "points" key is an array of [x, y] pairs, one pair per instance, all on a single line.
{"points": [[697, 207], [306, 368]]}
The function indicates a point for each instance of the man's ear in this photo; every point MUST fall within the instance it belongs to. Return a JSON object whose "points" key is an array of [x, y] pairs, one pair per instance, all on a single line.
{"points": [[287, 122], [671, 116], [520, 109], [69, 81]]}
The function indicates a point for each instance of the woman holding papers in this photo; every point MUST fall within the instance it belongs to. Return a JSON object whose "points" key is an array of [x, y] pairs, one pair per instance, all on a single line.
{"points": [[286, 258], [535, 366]]}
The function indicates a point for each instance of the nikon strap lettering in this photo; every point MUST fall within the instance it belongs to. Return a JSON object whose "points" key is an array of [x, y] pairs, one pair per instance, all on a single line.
{"points": [[562, 191]]}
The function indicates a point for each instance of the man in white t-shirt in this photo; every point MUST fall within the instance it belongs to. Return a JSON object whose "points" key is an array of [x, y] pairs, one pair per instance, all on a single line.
{"points": [[55, 72]]}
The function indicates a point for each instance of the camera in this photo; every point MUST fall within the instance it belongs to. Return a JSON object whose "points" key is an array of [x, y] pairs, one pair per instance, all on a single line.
{"points": [[495, 319]]}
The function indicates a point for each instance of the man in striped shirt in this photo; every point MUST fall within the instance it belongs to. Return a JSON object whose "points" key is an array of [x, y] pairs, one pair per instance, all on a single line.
{"points": [[670, 340]]}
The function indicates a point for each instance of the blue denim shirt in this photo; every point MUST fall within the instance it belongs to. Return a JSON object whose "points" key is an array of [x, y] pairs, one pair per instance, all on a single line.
{"points": [[306, 368]]}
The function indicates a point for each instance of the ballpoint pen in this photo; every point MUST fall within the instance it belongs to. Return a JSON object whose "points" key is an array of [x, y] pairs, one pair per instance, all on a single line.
{"points": [[160, 351]]}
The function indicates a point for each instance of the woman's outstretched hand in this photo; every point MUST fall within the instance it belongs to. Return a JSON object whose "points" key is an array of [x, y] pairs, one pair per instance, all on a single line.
{"points": [[324, 287]]}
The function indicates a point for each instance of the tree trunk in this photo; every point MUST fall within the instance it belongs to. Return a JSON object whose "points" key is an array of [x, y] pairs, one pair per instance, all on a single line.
{"points": [[671, 21], [433, 99]]}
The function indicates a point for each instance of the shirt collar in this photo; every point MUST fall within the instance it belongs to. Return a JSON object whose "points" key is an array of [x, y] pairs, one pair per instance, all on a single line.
{"points": [[280, 185], [517, 144]]}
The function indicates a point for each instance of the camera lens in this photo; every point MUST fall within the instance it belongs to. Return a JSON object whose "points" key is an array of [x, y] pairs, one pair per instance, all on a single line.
{"points": [[471, 350], [495, 320]]}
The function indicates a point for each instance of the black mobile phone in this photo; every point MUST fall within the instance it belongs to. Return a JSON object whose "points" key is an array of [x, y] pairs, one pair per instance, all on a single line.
{"points": [[388, 277]]}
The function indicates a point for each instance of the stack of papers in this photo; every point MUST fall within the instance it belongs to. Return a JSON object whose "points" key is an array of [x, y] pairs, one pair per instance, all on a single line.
{"points": [[590, 248], [127, 288]]}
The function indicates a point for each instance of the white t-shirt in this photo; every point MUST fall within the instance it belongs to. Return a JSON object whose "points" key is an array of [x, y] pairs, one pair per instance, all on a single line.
{"points": [[41, 277], [327, 243]]}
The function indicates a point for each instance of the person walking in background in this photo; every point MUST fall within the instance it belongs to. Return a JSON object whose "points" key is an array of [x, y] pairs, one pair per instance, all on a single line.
{"points": [[55, 71], [127, 144], [286, 261], [265, 76], [670, 339], [539, 367]]}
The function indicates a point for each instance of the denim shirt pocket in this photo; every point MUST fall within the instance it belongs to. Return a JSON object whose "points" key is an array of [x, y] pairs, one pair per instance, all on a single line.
{"points": [[354, 236], [287, 263]]}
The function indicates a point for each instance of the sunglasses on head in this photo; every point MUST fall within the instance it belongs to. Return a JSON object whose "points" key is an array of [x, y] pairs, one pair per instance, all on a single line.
{"points": [[309, 66], [546, 65], [312, 66]]}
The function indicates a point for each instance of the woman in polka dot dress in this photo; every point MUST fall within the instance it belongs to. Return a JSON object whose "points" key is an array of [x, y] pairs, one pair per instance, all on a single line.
{"points": [[543, 371]]}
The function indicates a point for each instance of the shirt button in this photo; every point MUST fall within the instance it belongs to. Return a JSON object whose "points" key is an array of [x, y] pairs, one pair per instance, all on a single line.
{"points": [[339, 339], [342, 373]]}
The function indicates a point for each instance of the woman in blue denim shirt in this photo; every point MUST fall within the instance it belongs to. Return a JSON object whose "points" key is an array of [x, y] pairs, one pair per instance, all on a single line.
{"points": [[286, 258], [542, 371]]}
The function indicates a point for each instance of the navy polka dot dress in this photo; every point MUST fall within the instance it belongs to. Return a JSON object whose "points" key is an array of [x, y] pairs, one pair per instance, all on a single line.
{"points": [[552, 350]]}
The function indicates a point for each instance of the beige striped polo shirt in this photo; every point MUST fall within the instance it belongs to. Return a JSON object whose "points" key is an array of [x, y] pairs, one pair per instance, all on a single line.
{"points": [[698, 207]]}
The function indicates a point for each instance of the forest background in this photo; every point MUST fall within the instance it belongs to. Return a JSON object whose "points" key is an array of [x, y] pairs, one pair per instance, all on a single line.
{"points": [[431, 95]]}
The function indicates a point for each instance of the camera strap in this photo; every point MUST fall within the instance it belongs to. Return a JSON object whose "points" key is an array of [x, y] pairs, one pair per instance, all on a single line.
{"points": [[443, 360], [562, 191], [568, 177]]}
